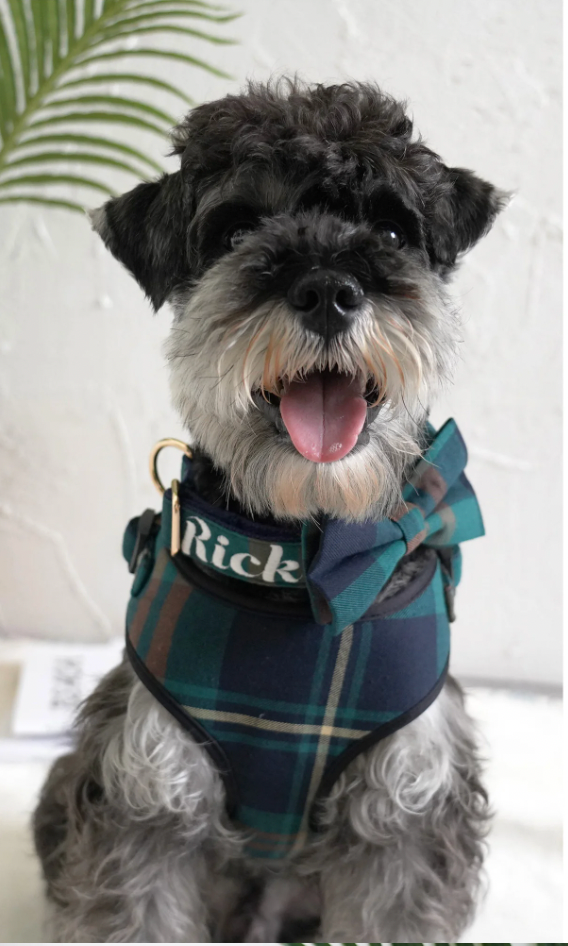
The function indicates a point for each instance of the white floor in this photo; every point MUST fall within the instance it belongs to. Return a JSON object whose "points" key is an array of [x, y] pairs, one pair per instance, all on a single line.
{"points": [[523, 737]]}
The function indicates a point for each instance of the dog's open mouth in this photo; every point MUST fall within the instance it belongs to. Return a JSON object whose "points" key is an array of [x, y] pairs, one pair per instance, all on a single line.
{"points": [[325, 413]]}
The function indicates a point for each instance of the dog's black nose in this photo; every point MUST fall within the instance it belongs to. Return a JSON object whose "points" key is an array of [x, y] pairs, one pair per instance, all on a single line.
{"points": [[328, 300]]}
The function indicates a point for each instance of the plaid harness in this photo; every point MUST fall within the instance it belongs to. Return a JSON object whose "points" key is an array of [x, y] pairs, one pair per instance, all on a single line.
{"points": [[284, 693]]}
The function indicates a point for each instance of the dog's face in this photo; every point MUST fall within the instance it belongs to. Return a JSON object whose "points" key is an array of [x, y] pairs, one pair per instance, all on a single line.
{"points": [[304, 246]]}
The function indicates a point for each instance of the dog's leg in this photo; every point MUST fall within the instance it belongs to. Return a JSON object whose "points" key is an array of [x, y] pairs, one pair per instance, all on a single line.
{"points": [[406, 823], [130, 827], [289, 905], [130, 887]]}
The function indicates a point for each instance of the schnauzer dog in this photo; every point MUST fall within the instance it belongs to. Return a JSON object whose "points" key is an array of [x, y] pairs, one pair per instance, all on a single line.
{"points": [[305, 247]]}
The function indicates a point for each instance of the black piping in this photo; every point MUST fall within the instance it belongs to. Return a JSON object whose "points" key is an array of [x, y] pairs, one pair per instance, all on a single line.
{"points": [[335, 769], [200, 734], [246, 597]]}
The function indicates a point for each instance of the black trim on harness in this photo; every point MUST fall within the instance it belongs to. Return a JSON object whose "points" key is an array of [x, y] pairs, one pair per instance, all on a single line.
{"points": [[201, 736], [241, 597], [246, 597], [335, 769]]}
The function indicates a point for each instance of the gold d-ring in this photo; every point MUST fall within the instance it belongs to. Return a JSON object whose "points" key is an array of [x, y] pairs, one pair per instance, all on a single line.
{"points": [[175, 541], [157, 449]]}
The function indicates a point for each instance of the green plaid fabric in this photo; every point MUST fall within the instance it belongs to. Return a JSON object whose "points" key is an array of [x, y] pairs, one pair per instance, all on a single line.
{"points": [[283, 701], [353, 562]]}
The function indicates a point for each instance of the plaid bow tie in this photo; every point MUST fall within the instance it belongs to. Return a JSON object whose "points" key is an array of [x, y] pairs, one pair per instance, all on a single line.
{"points": [[350, 563]]}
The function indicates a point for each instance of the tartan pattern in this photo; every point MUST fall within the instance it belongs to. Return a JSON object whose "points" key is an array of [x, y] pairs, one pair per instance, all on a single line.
{"points": [[354, 561], [286, 697]]}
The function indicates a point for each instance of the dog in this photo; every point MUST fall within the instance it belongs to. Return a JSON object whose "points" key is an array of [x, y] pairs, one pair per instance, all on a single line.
{"points": [[305, 246]]}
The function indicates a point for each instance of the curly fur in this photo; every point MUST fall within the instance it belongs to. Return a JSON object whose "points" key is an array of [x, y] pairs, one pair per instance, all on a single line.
{"points": [[141, 824], [144, 853], [131, 826]]}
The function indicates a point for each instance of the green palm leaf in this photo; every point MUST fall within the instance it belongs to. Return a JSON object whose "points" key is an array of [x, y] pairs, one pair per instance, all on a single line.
{"points": [[142, 15], [53, 55], [122, 77], [25, 179], [46, 201], [96, 116], [125, 30], [50, 157], [203, 10], [114, 101], [88, 141], [148, 52]]}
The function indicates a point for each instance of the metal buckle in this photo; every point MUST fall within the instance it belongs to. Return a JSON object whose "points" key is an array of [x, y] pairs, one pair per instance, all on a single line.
{"points": [[450, 597], [175, 541], [143, 533], [447, 563], [157, 449]]}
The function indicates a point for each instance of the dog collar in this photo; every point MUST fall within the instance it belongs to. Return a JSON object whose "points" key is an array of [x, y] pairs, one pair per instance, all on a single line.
{"points": [[343, 565]]}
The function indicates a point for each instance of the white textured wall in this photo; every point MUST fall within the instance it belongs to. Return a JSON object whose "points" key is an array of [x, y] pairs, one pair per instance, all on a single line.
{"points": [[83, 388]]}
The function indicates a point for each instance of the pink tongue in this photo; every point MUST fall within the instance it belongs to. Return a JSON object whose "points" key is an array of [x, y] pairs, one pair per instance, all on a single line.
{"points": [[324, 415]]}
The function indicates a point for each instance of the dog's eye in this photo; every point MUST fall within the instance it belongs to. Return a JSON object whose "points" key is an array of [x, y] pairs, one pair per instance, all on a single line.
{"points": [[391, 234], [235, 234]]}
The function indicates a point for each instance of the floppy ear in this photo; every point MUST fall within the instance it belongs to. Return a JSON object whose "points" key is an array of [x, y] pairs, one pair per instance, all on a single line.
{"points": [[146, 229], [462, 211]]}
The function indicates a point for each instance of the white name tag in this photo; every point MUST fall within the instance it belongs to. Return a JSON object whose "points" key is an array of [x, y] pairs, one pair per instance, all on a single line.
{"points": [[266, 566]]}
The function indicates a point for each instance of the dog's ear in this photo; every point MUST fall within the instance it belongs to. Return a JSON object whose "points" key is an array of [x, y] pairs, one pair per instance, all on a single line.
{"points": [[146, 229], [462, 211]]}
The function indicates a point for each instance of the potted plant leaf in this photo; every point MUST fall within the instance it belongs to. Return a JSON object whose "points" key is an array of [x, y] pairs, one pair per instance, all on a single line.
{"points": [[72, 90]]}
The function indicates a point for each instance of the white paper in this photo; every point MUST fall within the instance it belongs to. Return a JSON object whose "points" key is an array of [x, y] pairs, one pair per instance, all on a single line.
{"points": [[54, 679]]}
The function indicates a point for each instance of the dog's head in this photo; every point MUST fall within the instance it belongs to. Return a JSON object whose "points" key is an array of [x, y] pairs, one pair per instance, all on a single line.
{"points": [[304, 246]]}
